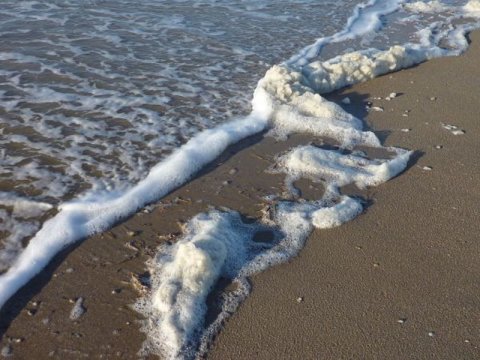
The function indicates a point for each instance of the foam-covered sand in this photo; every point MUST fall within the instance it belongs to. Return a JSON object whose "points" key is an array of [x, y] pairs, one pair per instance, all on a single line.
{"points": [[398, 282]]}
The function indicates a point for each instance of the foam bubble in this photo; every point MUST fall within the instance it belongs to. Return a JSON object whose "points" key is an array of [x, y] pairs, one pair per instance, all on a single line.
{"points": [[337, 169]]}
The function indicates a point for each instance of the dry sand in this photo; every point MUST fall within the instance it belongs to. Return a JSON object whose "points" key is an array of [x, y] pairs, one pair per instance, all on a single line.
{"points": [[399, 282]]}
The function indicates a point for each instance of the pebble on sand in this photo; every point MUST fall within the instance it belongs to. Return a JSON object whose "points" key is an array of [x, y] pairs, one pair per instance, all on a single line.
{"points": [[453, 129], [299, 299], [78, 310], [391, 96]]}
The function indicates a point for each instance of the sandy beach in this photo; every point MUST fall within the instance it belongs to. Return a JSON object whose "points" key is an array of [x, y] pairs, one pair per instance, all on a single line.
{"points": [[398, 282]]}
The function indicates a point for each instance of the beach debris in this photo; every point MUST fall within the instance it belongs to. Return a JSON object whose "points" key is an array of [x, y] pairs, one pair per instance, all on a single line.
{"points": [[78, 309], [377, 108], [427, 168], [376, 264], [346, 101], [405, 130], [466, 341], [6, 351], [131, 233], [233, 171], [131, 245], [116, 291], [140, 283], [431, 333], [402, 320], [31, 312], [455, 130], [226, 183], [438, 147], [168, 238], [69, 270], [179, 200], [433, 98], [299, 299]]}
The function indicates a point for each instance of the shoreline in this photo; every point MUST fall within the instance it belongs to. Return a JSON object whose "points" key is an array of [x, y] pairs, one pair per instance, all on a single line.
{"points": [[100, 268]]}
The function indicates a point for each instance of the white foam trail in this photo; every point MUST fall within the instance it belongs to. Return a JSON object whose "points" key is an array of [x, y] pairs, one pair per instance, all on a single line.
{"points": [[365, 19], [217, 244], [361, 66], [79, 219], [337, 169]]}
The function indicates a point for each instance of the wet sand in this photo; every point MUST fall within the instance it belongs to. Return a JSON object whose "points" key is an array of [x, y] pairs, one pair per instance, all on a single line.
{"points": [[398, 282]]}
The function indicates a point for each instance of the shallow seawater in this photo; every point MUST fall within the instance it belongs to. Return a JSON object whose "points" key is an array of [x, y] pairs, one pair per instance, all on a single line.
{"points": [[94, 93]]}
